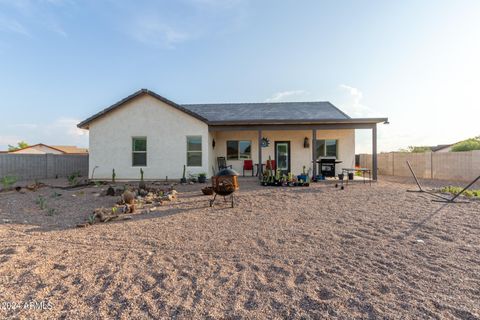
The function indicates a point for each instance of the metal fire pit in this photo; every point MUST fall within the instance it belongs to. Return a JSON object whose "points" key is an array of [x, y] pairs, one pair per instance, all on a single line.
{"points": [[225, 183]]}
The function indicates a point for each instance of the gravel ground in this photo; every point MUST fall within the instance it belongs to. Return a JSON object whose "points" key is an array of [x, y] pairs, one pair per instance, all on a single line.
{"points": [[311, 252]]}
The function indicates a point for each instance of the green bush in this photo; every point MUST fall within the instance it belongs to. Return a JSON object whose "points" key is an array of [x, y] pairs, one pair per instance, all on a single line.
{"points": [[73, 178], [467, 145], [455, 190], [8, 181]]}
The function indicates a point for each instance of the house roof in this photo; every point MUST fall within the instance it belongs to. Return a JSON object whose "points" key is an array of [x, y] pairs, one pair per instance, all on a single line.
{"points": [[70, 149], [272, 111], [62, 149], [249, 113], [84, 124], [441, 147]]}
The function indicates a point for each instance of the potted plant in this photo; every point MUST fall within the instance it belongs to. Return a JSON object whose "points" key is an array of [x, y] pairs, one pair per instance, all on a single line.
{"points": [[265, 179], [304, 176], [202, 177], [277, 181], [290, 180], [192, 177], [184, 180]]}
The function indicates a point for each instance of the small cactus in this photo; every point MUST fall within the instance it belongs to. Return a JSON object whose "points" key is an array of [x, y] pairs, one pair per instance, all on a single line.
{"points": [[141, 185], [184, 179]]}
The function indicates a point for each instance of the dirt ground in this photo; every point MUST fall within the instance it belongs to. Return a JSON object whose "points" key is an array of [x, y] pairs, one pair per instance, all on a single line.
{"points": [[305, 252]]}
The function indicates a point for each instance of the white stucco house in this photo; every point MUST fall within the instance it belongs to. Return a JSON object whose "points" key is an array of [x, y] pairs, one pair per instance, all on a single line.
{"points": [[148, 131]]}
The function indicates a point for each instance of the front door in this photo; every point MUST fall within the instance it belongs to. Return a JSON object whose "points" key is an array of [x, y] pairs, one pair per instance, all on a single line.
{"points": [[282, 156]]}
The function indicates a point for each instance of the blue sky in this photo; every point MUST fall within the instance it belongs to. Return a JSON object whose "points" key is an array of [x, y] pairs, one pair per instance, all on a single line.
{"points": [[416, 62]]}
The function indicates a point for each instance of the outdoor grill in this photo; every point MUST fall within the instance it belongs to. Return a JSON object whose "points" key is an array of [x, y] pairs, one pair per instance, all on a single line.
{"points": [[225, 183], [327, 167]]}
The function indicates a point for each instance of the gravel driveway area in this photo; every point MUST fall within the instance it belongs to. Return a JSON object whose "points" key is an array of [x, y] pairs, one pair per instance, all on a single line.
{"points": [[289, 253]]}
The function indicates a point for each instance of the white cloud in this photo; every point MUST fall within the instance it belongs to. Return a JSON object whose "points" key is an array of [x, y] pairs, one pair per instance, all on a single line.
{"points": [[354, 106], [222, 4], [69, 126], [284, 96], [12, 25], [8, 140], [62, 131], [54, 26], [28, 16], [151, 30]]}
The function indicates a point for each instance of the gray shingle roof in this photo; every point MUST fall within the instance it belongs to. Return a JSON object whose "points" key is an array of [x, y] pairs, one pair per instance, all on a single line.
{"points": [[267, 111], [246, 113]]}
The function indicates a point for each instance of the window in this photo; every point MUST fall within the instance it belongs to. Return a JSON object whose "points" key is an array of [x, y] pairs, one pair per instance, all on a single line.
{"points": [[139, 152], [237, 150], [326, 148], [194, 151]]}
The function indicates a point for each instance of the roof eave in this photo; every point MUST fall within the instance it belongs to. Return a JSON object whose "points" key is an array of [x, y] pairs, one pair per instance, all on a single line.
{"points": [[301, 121]]}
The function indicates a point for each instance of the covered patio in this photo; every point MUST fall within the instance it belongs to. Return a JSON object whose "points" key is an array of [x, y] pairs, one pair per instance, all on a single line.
{"points": [[304, 142]]}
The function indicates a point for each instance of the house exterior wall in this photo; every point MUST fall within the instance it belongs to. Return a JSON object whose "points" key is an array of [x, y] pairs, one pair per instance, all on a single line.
{"points": [[166, 129], [300, 156]]}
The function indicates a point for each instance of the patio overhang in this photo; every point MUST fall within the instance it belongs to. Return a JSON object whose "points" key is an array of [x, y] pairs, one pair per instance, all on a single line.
{"points": [[313, 125], [358, 123]]}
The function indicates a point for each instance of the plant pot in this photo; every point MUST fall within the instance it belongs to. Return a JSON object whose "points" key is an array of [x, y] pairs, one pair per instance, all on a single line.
{"points": [[183, 180], [340, 176], [303, 177], [350, 176], [202, 179], [208, 191]]}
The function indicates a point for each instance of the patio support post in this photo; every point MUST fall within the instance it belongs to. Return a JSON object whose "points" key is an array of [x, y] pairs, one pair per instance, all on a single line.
{"points": [[314, 161], [260, 167], [374, 152]]}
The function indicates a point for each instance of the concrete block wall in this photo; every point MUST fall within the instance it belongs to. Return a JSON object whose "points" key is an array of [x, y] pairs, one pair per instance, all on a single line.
{"points": [[461, 166], [42, 166]]}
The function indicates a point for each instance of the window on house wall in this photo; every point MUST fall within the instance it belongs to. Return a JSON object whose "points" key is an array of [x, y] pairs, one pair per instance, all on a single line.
{"points": [[327, 148], [239, 150], [194, 151], [139, 151]]}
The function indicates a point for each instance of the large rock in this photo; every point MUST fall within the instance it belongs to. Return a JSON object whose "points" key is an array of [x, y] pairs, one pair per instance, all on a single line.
{"points": [[128, 197]]}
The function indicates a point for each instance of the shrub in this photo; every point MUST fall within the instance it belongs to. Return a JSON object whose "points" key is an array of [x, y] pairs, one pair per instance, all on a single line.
{"points": [[455, 190], [467, 145], [8, 181], [73, 178], [42, 202]]}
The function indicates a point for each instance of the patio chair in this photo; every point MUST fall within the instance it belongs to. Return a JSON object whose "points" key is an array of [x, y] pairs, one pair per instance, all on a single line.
{"points": [[271, 165], [247, 165], [222, 163]]}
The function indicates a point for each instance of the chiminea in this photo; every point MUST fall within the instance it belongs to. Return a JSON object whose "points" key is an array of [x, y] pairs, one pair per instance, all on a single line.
{"points": [[225, 183]]}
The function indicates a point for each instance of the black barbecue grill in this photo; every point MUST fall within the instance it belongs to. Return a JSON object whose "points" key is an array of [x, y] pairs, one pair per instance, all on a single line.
{"points": [[327, 166]]}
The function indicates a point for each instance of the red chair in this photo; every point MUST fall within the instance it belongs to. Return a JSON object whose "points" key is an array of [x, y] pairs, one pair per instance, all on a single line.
{"points": [[271, 165], [247, 165]]}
